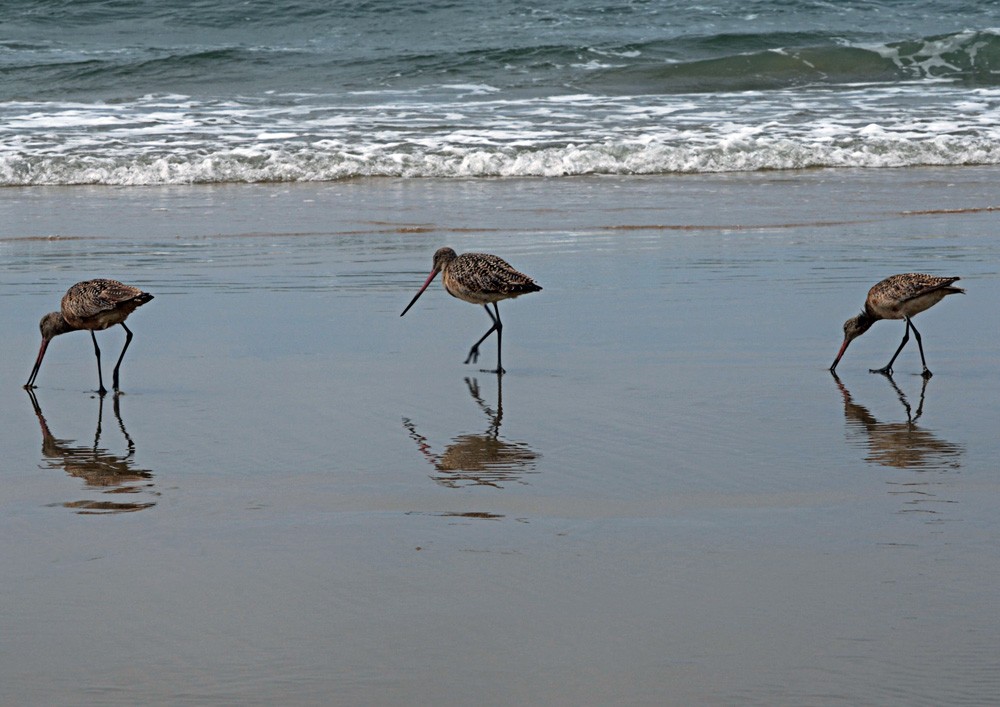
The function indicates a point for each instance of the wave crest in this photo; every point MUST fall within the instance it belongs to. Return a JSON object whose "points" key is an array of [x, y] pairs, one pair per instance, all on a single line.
{"points": [[241, 166], [971, 57]]}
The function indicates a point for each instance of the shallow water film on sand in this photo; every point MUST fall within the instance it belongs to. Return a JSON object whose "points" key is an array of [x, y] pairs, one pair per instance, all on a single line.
{"points": [[302, 498]]}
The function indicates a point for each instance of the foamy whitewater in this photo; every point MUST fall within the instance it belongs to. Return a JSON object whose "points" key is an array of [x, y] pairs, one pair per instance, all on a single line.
{"points": [[180, 92]]}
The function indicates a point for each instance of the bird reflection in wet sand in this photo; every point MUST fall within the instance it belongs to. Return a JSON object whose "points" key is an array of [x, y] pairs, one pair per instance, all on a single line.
{"points": [[904, 445], [99, 468], [478, 459]]}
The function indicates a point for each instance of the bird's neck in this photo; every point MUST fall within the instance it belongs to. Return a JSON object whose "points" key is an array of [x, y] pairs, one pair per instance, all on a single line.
{"points": [[863, 322], [868, 316], [56, 324]]}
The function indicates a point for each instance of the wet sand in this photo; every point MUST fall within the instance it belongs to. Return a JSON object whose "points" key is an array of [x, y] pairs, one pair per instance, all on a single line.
{"points": [[302, 498]]}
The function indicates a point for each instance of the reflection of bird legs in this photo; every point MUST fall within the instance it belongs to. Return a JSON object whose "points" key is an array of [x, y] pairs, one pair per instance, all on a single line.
{"points": [[495, 417], [424, 446], [121, 425], [477, 459], [100, 420], [38, 412], [116, 406], [96, 467], [903, 444], [910, 419]]}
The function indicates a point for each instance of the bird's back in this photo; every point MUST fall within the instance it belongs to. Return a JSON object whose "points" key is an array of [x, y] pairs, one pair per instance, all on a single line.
{"points": [[481, 278], [909, 294], [99, 304]]}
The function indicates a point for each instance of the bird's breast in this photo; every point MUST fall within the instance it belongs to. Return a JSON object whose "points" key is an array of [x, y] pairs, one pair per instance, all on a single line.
{"points": [[470, 292], [99, 321]]}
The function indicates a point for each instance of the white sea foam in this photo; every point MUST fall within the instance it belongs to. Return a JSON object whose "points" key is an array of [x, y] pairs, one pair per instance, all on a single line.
{"points": [[265, 165], [177, 139], [476, 89]]}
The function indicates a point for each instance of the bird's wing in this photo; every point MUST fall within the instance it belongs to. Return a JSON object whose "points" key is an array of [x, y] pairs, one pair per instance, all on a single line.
{"points": [[91, 297]]}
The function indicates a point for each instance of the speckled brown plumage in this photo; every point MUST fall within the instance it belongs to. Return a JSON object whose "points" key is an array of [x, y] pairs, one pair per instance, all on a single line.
{"points": [[479, 278], [99, 304], [908, 294], [94, 305], [898, 297]]}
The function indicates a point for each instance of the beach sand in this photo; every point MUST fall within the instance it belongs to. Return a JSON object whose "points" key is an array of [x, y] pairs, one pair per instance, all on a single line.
{"points": [[302, 498]]}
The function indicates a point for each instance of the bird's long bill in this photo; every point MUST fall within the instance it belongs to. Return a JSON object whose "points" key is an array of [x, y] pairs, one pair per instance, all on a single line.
{"points": [[38, 363], [843, 348], [417, 296]]}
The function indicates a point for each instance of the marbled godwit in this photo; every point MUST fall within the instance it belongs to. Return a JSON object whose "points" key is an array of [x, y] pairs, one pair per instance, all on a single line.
{"points": [[898, 297], [93, 305], [479, 278]]}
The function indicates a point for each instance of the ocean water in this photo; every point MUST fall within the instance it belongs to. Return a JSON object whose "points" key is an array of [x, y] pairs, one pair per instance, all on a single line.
{"points": [[142, 92]]}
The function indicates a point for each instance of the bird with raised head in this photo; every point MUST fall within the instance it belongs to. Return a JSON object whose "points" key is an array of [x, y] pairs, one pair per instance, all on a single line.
{"points": [[479, 278]]}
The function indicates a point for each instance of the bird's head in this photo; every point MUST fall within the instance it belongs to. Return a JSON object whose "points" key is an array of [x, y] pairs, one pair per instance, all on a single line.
{"points": [[853, 328], [442, 258], [53, 324]]}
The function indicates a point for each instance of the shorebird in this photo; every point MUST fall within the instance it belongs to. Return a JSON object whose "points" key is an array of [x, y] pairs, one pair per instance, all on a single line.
{"points": [[898, 297], [478, 278], [93, 305]]}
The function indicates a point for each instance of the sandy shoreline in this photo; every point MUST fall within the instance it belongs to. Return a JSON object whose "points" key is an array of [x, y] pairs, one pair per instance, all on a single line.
{"points": [[667, 500]]}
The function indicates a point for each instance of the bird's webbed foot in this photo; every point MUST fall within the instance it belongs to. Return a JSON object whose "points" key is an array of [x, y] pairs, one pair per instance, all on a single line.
{"points": [[473, 354], [885, 371]]}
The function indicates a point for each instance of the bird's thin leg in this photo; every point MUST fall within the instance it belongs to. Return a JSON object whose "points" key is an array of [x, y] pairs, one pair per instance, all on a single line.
{"points": [[474, 351], [926, 372], [887, 369], [499, 326], [97, 352], [128, 340]]}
